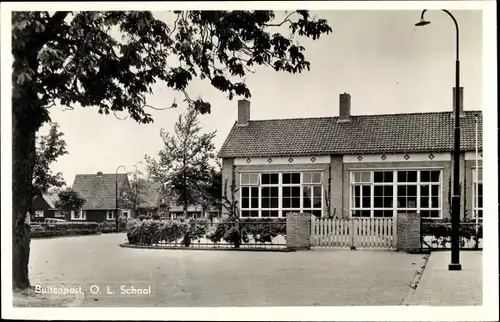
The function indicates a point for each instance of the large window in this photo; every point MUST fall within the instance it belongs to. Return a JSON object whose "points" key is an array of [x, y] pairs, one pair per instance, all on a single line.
{"points": [[382, 193], [275, 194], [477, 193]]}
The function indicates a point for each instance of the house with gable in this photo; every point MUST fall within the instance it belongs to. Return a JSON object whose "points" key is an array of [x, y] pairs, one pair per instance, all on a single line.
{"points": [[43, 207], [99, 191], [352, 165]]}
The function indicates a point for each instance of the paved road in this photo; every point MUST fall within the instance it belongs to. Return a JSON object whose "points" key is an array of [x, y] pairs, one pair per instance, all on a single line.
{"points": [[222, 278], [439, 286]]}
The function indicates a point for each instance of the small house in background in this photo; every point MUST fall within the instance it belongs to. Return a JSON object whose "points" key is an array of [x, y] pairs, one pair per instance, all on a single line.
{"points": [[151, 201], [156, 202], [43, 207], [100, 191]]}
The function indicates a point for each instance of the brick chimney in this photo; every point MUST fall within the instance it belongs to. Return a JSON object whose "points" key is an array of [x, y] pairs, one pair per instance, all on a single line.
{"points": [[99, 174], [243, 112], [344, 107], [461, 107]]}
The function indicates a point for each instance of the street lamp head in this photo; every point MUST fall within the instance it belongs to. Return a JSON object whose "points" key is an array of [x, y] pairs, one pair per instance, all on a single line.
{"points": [[422, 23]]}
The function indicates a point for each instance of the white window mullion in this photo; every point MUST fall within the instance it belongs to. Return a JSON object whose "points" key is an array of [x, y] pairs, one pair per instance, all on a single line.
{"points": [[417, 204], [372, 198], [280, 196], [395, 193]]}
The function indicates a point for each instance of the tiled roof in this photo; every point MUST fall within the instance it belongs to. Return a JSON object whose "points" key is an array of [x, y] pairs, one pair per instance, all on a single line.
{"points": [[415, 132], [99, 191]]}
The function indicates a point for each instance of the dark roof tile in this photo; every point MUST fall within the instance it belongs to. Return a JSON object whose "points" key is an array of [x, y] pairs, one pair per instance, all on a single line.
{"points": [[99, 191], [414, 132]]}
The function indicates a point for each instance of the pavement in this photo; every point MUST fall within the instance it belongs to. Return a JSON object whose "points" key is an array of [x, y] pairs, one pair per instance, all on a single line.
{"points": [[113, 276], [440, 287], [34, 298]]}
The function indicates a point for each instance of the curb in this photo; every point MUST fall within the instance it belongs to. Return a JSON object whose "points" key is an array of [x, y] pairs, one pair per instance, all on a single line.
{"points": [[415, 281], [281, 250]]}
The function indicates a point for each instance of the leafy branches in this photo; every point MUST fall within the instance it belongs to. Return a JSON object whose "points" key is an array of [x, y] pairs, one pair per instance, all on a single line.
{"points": [[49, 148], [69, 199], [184, 163], [79, 60]]}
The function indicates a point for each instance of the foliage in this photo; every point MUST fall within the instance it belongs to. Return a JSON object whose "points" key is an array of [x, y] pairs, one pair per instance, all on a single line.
{"points": [[230, 203], [80, 61], [137, 195], [184, 163], [265, 230], [49, 148], [151, 232], [64, 229], [69, 199], [109, 226], [440, 232], [72, 59]]}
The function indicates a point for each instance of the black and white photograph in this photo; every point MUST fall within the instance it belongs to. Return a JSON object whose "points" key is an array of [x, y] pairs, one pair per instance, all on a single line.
{"points": [[228, 161]]}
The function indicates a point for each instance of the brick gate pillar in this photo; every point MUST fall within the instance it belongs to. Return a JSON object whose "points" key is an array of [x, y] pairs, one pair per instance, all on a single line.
{"points": [[298, 231], [408, 232]]}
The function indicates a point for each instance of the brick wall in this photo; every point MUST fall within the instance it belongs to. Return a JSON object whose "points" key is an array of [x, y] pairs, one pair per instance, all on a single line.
{"points": [[227, 170], [337, 192], [408, 231], [298, 231]]}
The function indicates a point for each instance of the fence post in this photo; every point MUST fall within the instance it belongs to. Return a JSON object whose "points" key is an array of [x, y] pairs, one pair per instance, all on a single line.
{"points": [[408, 232], [395, 231], [298, 231]]}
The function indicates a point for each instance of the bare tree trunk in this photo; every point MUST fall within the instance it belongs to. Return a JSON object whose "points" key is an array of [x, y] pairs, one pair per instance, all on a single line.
{"points": [[23, 157]]}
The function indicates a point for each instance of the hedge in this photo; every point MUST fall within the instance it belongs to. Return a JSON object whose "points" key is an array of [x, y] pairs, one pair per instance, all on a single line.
{"points": [[63, 229], [109, 226], [440, 231], [151, 232]]}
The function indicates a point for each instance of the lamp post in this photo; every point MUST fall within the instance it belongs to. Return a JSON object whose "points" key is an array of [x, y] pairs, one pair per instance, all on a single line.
{"points": [[455, 212], [116, 195]]}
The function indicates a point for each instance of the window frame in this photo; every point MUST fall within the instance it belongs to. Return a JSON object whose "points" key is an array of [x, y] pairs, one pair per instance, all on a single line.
{"points": [[475, 185], [108, 212], [36, 214], [82, 214], [395, 184], [280, 185]]}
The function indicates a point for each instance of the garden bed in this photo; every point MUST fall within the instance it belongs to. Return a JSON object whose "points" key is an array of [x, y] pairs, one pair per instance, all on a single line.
{"points": [[255, 234]]}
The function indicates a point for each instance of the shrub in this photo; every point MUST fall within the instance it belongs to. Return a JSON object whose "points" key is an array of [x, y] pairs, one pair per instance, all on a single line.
{"points": [[155, 217], [265, 230], [64, 229], [440, 232]]}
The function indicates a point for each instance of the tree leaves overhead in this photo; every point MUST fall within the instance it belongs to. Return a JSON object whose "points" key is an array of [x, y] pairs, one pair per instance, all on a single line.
{"points": [[76, 58], [49, 148]]}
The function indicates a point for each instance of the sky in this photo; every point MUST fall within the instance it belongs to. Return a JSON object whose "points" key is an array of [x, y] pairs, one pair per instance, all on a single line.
{"points": [[378, 56]]}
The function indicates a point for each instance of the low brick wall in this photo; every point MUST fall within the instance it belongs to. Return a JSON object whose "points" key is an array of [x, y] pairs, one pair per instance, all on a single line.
{"points": [[408, 232], [298, 231]]}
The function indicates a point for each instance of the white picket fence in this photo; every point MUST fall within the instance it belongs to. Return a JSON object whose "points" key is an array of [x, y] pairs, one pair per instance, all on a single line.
{"points": [[353, 232]]}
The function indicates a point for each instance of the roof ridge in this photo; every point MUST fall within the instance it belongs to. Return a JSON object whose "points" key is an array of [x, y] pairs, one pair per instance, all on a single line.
{"points": [[366, 115]]}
